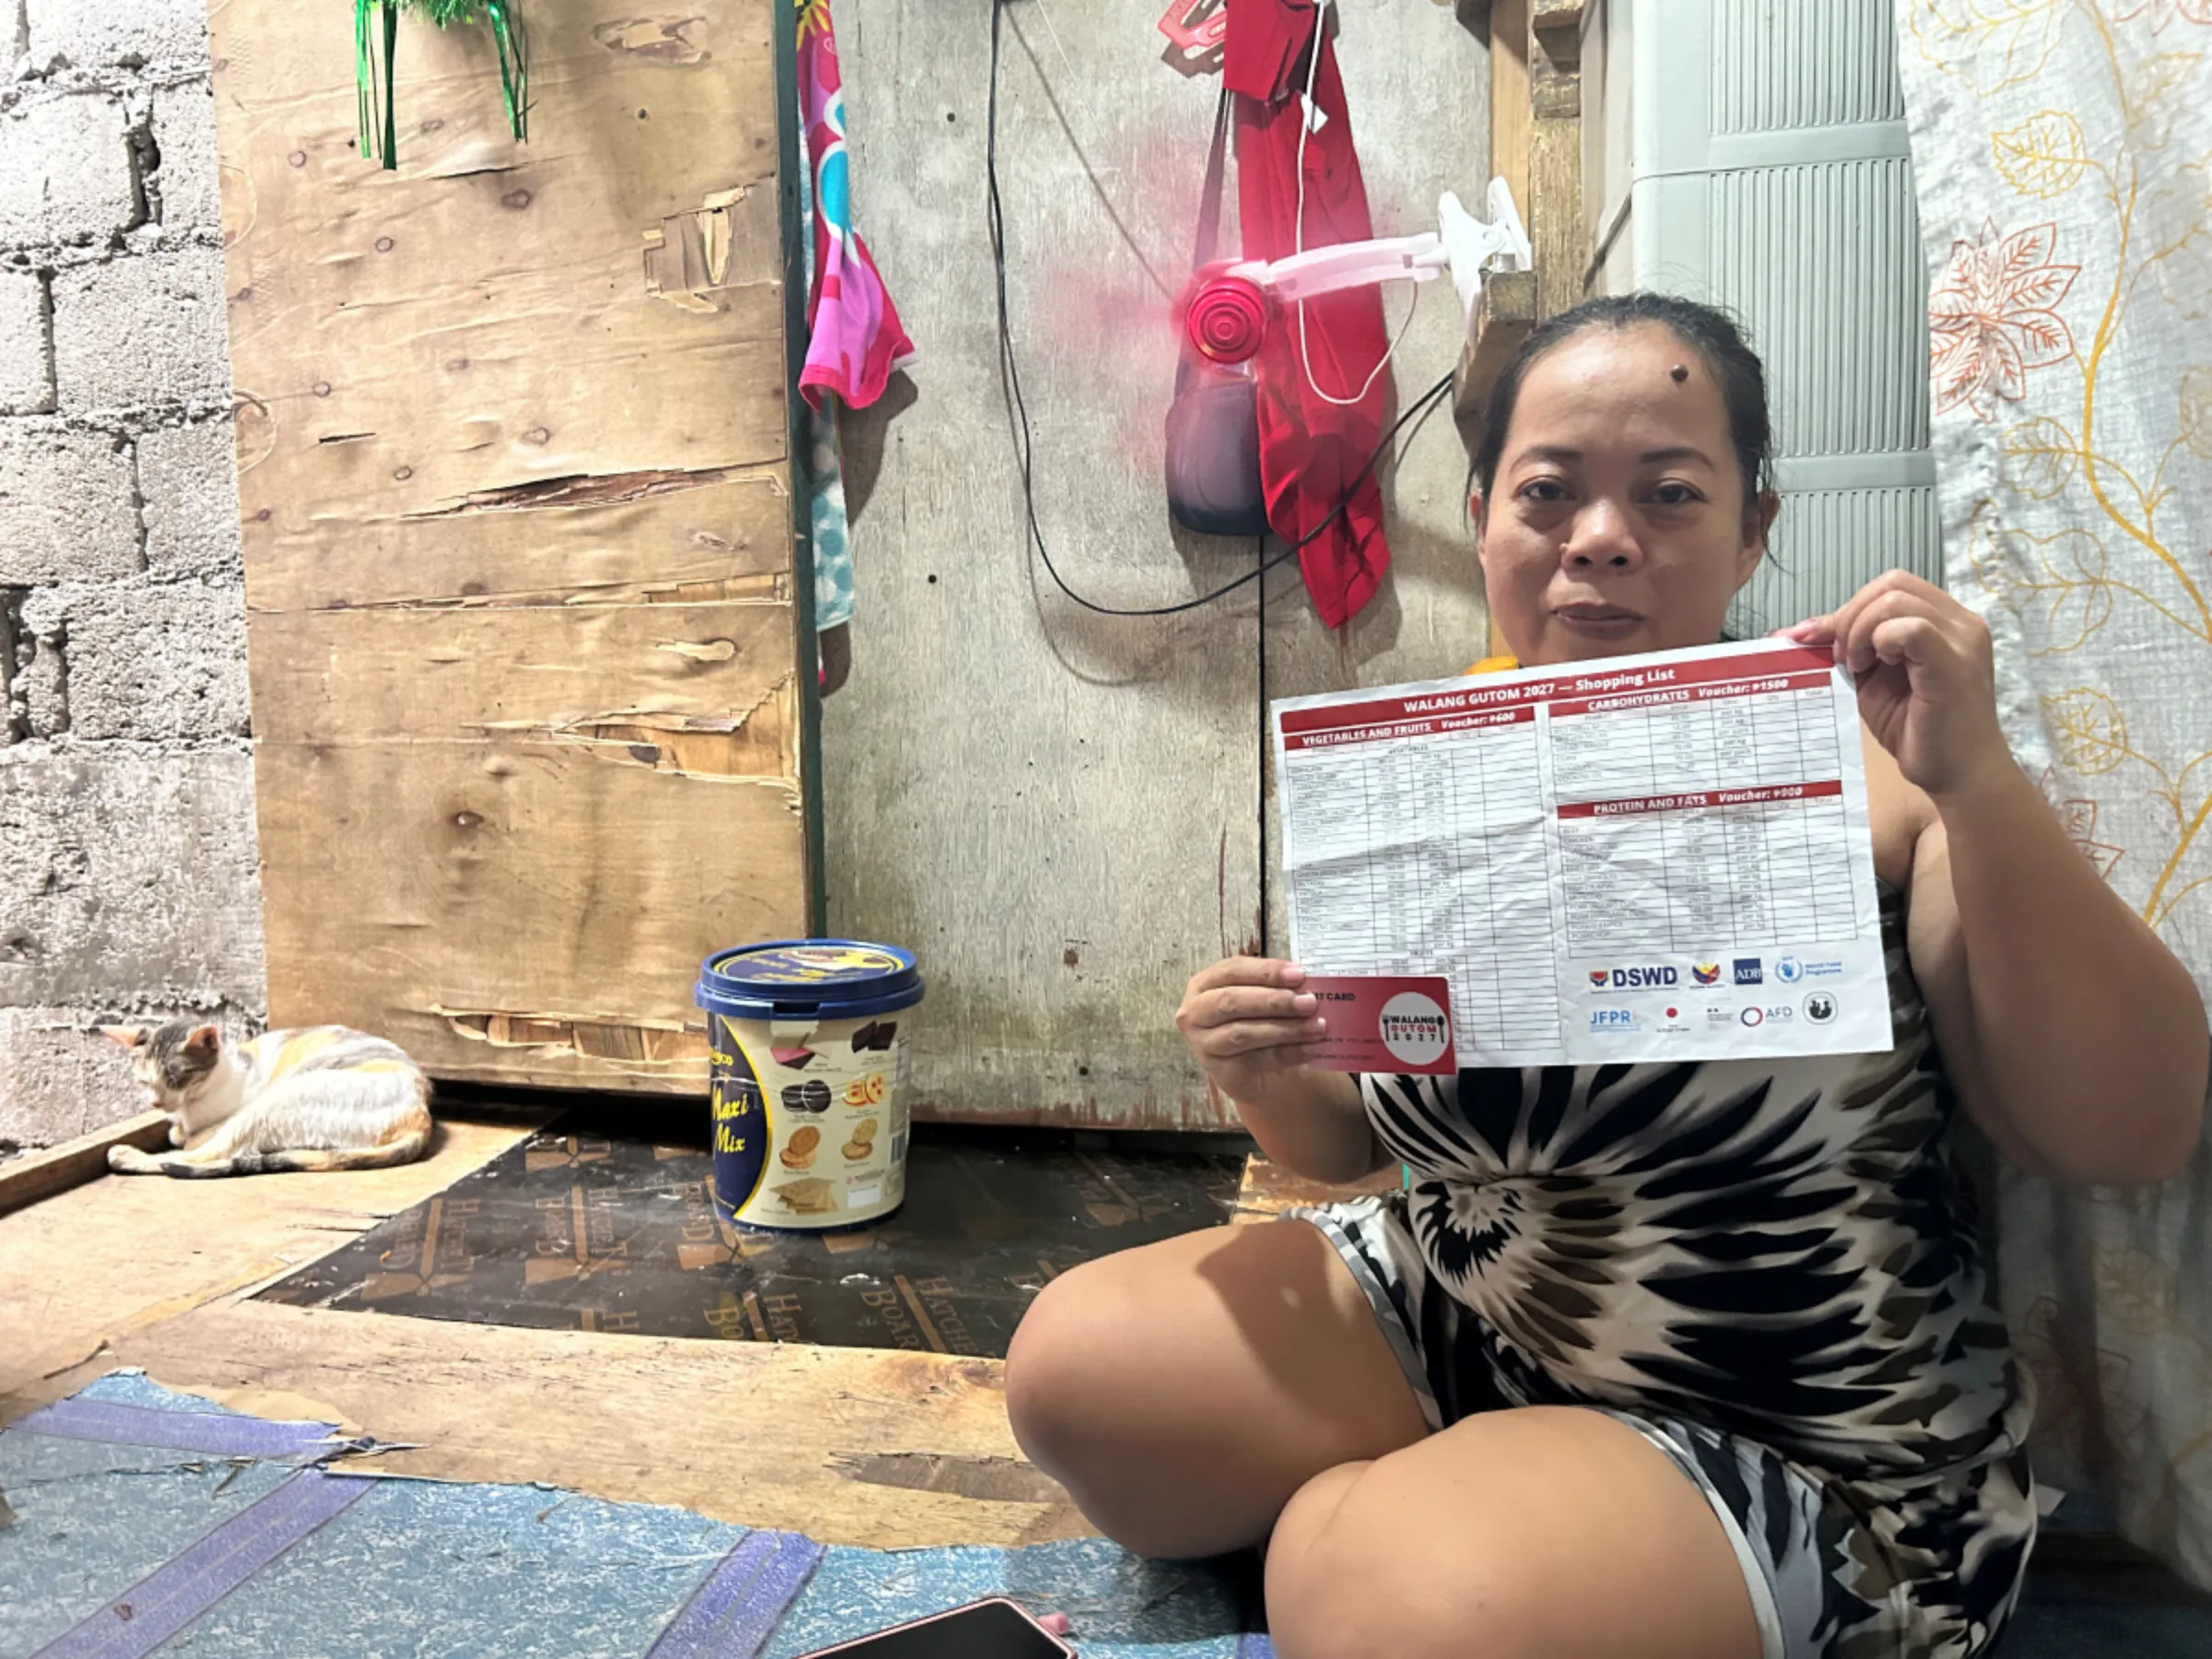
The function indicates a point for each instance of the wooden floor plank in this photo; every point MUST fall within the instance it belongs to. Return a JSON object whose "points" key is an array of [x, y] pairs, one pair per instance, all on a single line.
{"points": [[41, 1174], [852, 1446], [823, 1441], [83, 1267], [1268, 1190]]}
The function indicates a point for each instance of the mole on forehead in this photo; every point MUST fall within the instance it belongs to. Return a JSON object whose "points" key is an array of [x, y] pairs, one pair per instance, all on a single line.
{"points": [[1680, 371]]}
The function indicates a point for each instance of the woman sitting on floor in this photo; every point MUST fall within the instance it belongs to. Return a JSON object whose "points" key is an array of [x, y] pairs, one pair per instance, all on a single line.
{"points": [[1659, 1361]]}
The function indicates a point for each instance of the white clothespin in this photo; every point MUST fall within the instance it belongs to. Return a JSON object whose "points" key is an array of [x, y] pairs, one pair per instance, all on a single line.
{"points": [[1476, 247]]}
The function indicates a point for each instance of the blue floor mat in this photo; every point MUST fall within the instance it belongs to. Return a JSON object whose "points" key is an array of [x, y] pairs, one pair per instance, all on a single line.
{"points": [[135, 1520], [146, 1522]]}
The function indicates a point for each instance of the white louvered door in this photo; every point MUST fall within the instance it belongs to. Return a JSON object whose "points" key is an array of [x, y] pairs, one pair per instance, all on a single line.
{"points": [[1753, 152]]}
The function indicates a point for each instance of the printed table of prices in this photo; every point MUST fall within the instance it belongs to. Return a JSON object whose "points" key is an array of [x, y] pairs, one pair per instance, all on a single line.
{"points": [[1646, 858]]}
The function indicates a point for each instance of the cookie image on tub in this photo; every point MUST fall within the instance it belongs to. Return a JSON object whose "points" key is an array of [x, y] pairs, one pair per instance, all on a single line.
{"points": [[863, 1144], [798, 1152], [810, 1096], [810, 1197]]}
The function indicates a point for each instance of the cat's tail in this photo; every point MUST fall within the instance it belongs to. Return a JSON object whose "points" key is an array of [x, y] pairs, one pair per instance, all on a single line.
{"points": [[185, 1166]]}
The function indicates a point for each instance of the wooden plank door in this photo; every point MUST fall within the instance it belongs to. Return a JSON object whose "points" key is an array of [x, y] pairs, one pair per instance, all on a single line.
{"points": [[530, 665]]}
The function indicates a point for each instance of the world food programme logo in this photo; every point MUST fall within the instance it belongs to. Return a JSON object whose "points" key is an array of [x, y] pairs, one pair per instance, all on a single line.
{"points": [[1789, 971], [1414, 1029]]}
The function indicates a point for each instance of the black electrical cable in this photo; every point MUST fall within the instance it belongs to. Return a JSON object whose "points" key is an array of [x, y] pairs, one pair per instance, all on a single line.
{"points": [[1021, 412]]}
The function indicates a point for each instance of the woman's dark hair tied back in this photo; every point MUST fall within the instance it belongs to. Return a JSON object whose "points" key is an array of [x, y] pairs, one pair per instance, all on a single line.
{"points": [[1710, 333]]}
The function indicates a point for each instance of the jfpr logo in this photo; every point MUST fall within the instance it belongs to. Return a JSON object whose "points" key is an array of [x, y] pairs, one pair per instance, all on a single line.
{"points": [[1414, 1029]]}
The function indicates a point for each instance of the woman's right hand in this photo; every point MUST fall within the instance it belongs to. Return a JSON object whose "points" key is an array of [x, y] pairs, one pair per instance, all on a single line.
{"points": [[1250, 1020]]}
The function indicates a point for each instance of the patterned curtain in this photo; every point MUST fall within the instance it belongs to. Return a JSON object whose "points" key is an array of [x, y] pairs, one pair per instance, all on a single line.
{"points": [[2063, 156]]}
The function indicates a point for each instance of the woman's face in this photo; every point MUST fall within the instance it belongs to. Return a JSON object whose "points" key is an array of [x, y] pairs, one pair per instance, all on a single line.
{"points": [[1617, 521]]}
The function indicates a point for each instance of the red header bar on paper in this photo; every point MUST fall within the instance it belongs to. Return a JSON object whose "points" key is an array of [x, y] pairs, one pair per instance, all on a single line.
{"points": [[1431, 726], [1785, 666], [1702, 799], [1392, 711], [1665, 695]]}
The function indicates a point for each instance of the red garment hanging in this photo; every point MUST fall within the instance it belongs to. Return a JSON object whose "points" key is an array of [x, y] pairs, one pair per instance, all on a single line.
{"points": [[1309, 448]]}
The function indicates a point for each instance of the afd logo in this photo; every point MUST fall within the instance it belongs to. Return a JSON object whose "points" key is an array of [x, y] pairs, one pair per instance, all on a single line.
{"points": [[1612, 1019], [1634, 979], [1749, 973]]}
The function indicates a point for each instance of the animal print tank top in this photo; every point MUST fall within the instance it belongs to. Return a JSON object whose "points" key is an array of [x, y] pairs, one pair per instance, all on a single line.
{"points": [[1784, 1249]]}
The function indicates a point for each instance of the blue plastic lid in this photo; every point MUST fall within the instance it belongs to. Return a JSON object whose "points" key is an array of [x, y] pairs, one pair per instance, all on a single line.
{"points": [[827, 978]]}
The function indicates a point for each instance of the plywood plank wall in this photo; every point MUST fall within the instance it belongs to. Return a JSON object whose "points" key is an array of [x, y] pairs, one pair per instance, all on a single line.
{"points": [[1064, 812], [514, 480]]}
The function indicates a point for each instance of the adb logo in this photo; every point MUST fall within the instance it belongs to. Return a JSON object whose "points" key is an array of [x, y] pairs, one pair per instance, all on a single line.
{"points": [[1748, 972], [1414, 1029]]}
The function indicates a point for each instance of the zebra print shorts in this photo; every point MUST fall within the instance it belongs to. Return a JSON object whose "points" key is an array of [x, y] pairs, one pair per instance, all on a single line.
{"points": [[1836, 1568]]}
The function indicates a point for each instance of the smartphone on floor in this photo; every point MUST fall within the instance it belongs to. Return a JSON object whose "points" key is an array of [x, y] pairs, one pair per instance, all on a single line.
{"points": [[996, 1629]]}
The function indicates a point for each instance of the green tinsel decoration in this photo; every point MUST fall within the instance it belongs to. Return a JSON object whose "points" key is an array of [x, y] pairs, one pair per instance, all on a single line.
{"points": [[382, 139]]}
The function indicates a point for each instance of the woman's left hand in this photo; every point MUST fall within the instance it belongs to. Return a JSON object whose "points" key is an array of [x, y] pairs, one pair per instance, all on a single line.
{"points": [[1927, 690]]}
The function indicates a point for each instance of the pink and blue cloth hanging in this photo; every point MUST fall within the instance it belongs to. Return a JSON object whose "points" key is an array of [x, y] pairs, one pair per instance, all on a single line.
{"points": [[854, 340]]}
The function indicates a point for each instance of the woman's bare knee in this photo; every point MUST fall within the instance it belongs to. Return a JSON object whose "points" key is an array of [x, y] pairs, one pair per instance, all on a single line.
{"points": [[1182, 1391], [1053, 1366], [1521, 1535]]}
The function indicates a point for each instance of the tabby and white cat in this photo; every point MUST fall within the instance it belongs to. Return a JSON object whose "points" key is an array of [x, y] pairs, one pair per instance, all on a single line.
{"points": [[324, 1098]]}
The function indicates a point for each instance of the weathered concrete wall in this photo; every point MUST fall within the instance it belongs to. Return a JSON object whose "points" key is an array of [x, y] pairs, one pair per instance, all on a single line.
{"points": [[127, 863]]}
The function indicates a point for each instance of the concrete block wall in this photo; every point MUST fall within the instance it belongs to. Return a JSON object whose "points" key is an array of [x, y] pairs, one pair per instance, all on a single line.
{"points": [[128, 884]]}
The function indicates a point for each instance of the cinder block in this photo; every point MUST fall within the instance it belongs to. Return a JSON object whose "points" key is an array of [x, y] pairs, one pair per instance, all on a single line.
{"points": [[90, 33], [64, 172], [68, 507], [184, 133], [59, 1077], [141, 331], [188, 491], [154, 662], [127, 875], [26, 346]]}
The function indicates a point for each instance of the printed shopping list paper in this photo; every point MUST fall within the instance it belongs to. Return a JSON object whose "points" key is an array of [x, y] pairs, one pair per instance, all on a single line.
{"points": [[1660, 857]]}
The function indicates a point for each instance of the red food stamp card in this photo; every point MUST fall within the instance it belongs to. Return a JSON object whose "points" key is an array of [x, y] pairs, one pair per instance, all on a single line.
{"points": [[1385, 1023]]}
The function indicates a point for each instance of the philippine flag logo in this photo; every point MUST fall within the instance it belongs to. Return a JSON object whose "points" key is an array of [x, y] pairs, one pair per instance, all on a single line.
{"points": [[1706, 973]]}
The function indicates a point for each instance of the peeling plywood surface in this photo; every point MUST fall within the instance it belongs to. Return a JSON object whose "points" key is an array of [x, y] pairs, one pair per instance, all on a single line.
{"points": [[516, 510], [426, 884]]}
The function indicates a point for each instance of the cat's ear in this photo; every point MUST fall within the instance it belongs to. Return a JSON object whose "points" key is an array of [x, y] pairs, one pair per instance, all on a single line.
{"points": [[128, 1037], [205, 1040]]}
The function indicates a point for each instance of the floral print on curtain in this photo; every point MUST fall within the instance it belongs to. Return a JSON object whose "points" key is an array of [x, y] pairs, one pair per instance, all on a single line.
{"points": [[2063, 156]]}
